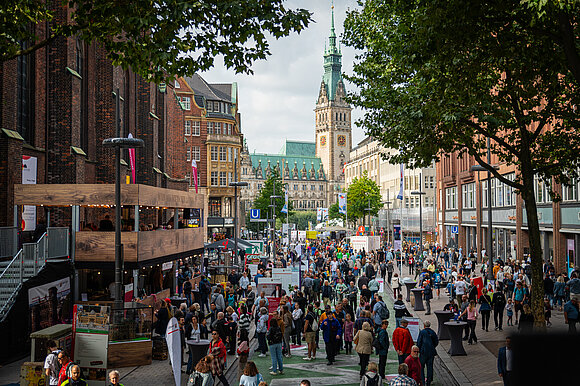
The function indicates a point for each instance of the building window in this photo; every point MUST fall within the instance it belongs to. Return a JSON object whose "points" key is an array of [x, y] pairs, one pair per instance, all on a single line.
{"points": [[217, 127], [209, 107], [195, 153], [484, 193], [210, 127], [259, 186], [214, 179], [468, 195], [312, 187], [321, 188], [407, 202], [24, 95], [451, 197], [223, 181], [223, 153], [214, 153], [303, 187], [570, 191], [189, 154], [230, 178], [215, 207], [216, 107], [187, 127], [186, 102], [229, 154], [295, 187], [176, 84], [195, 128]]}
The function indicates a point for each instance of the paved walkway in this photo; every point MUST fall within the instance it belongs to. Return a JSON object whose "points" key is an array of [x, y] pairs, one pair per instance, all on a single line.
{"points": [[479, 366]]}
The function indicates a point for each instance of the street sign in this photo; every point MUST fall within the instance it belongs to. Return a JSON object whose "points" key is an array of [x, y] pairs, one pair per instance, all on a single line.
{"points": [[254, 214], [454, 229], [382, 231]]}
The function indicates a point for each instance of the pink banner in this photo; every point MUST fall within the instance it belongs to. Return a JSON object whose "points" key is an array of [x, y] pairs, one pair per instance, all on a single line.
{"points": [[132, 161]]}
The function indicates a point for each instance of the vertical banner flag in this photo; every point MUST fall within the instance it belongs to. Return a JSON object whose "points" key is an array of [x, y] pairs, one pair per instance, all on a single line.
{"points": [[194, 173], [400, 195], [132, 160], [285, 207], [29, 172], [342, 203], [173, 339], [397, 244]]}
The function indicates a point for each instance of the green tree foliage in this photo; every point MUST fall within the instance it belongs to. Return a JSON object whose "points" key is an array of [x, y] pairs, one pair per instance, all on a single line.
{"points": [[362, 194], [444, 76], [334, 213], [263, 200], [155, 37], [301, 219]]}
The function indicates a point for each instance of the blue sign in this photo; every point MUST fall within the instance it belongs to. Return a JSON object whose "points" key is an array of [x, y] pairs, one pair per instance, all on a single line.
{"points": [[254, 214], [454, 229]]}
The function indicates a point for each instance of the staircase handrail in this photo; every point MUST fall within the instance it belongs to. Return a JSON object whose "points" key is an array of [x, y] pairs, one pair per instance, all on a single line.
{"points": [[18, 256]]}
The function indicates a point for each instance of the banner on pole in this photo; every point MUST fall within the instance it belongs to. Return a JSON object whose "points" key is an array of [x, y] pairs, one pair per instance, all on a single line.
{"points": [[400, 195], [342, 203], [173, 339]]}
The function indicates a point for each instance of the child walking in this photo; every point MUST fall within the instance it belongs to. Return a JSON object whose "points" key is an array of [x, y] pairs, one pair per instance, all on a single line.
{"points": [[348, 334], [509, 308]]}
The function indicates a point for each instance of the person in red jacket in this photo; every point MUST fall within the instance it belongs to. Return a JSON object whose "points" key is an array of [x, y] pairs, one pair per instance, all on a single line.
{"points": [[415, 365], [217, 348], [402, 340]]}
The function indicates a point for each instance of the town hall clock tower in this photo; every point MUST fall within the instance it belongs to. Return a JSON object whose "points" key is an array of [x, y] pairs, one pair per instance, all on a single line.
{"points": [[333, 114]]}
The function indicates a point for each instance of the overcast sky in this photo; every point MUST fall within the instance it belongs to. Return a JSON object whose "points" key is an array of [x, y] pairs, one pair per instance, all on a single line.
{"points": [[277, 102]]}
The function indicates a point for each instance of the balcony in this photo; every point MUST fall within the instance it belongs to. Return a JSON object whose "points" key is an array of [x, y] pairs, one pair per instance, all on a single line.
{"points": [[233, 139], [92, 248]]}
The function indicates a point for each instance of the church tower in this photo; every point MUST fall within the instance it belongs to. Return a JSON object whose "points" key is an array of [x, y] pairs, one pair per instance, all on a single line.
{"points": [[332, 115]]}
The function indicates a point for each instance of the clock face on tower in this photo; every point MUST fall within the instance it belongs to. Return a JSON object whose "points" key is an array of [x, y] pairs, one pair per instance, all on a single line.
{"points": [[323, 140], [341, 140]]}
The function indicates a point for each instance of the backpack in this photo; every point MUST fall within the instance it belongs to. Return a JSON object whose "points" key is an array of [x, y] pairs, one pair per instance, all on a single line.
{"points": [[374, 381], [68, 370], [57, 365], [205, 287], [195, 379], [314, 323], [383, 311], [275, 335]]}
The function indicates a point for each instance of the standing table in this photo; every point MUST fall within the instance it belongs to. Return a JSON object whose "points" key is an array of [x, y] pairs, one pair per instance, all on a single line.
{"points": [[198, 349], [410, 285], [456, 333], [418, 294], [442, 317]]}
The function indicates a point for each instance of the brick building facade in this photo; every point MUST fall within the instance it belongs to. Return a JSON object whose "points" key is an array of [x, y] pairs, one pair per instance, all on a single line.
{"points": [[58, 106], [462, 213]]}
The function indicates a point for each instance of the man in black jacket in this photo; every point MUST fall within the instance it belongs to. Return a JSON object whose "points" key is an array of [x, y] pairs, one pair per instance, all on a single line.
{"points": [[498, 303], [400, 310]]}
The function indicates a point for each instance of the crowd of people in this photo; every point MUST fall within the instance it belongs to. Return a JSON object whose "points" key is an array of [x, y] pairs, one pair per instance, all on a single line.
{"points": [[339, 302]]}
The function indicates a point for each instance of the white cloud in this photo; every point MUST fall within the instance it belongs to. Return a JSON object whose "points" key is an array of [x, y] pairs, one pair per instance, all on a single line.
{"points": [[277, 102]]}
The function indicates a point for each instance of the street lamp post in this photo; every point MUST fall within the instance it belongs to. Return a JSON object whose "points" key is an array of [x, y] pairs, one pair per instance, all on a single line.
{"points": [[420, 193], [479, 168], [273, 200], [388, 204], [235, 184], [118, 144]]}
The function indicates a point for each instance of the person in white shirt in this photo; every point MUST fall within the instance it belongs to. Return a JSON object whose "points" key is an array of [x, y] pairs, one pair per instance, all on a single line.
{"points": [[460, 287], [50, 363]]}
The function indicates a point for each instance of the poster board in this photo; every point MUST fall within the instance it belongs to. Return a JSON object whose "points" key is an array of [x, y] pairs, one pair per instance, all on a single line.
{"points": [[270, 286], [49, 304], [32, 374], [91, 341], [311, 235], [29, 173], [381, 282], [284, 275], [414, 327], [273, 303], [301, 235]]}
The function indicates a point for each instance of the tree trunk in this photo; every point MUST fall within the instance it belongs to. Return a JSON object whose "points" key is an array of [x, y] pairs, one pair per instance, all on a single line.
{"points": [[537, 281]]}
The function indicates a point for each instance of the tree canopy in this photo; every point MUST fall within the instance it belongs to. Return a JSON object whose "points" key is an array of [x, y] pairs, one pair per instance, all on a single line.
{"points": [[302, 218], [334, 212], [155, 38], [263, 200], [363, 194], [439, 76]]}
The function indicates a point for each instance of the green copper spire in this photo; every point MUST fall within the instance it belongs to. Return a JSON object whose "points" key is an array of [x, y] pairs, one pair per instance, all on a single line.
{"points": [[332, 62]]}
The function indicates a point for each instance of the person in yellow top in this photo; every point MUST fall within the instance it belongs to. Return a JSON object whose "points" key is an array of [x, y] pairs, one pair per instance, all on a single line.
{"points": [[496, 268], [323, 316], [431, 267]]}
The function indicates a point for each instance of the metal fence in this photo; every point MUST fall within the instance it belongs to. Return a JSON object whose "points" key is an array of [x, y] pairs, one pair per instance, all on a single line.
{"points": [[8, 241], [58, 243]]}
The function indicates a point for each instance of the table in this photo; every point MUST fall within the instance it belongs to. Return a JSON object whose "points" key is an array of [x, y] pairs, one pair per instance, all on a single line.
{"points": [[410, 285], [198, 349], [456, 332], [442, 317], [418, 294]]}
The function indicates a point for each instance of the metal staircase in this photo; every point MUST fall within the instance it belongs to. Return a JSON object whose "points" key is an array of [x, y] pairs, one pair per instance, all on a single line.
{"points": [[28, 261]]}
